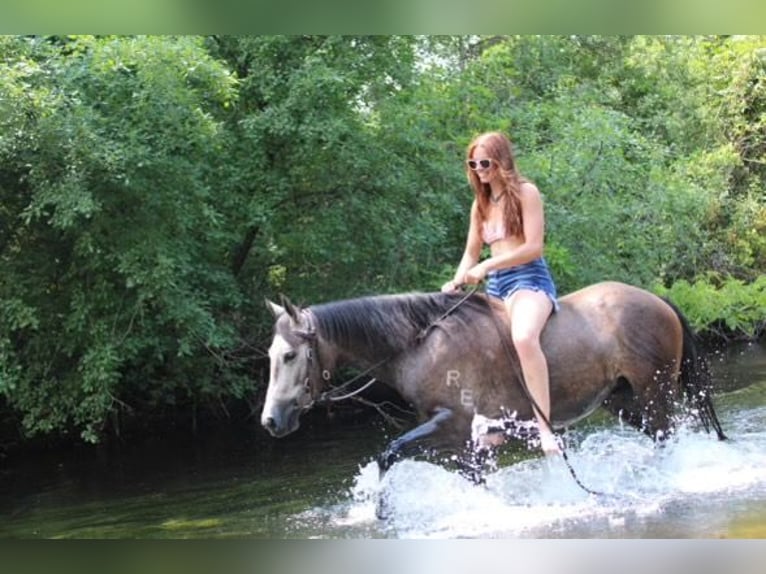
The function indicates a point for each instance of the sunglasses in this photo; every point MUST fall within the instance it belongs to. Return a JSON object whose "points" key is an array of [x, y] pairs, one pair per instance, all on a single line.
{"points": [[475, 164]]}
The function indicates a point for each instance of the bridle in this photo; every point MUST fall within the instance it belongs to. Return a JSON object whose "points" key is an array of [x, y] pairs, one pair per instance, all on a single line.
{"points": [[316, 376]]}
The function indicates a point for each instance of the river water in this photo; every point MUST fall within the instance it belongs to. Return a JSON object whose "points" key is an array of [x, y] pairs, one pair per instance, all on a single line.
{"points": [[322, 483]]}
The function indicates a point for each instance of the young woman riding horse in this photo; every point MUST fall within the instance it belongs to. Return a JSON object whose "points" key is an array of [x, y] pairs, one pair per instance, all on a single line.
{"points": [[507, 214]]}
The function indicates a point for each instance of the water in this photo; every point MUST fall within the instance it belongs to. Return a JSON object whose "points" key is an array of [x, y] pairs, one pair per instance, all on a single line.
{"points": [[322, 483]]}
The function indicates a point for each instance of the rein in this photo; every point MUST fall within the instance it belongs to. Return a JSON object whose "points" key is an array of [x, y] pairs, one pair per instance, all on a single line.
{"points": [[325, 398], [535, 406], [329, 396]]}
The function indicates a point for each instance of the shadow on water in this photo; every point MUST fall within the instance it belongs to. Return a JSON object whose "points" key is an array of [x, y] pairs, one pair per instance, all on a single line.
{"points": [[321, 483]]}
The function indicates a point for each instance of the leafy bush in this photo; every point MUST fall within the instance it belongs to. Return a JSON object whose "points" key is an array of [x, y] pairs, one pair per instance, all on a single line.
{"points": [[727, 308]]}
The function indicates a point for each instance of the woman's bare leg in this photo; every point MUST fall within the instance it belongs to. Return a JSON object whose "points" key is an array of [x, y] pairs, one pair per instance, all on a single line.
{"points": [[529, 310]]}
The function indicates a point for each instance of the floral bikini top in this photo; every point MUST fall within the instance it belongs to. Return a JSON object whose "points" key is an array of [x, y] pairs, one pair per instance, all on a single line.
{"points": [[494, 232]]}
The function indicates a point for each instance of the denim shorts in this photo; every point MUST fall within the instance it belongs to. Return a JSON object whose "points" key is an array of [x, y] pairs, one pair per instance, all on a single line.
{"points": [[534, 275]]}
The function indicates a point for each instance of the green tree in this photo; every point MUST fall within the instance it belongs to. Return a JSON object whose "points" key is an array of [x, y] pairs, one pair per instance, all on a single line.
{"points": [[327, 207], [112, 276]]}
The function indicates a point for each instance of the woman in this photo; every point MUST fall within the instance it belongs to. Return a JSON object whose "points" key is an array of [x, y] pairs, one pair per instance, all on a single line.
{"points": [[507, 214]]}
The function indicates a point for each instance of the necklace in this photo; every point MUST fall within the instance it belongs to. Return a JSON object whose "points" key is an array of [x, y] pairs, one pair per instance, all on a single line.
{"points": [[495, 199]]}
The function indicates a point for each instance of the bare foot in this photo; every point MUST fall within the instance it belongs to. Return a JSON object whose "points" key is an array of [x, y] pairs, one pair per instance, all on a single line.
{"points": [[549, 444]]}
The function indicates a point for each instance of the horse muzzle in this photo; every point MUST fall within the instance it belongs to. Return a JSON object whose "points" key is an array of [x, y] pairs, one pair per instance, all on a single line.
{"points": [[279, 423]]}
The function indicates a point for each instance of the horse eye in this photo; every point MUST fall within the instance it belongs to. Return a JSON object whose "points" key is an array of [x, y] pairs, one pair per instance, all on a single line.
{"points": [[289, 356]]}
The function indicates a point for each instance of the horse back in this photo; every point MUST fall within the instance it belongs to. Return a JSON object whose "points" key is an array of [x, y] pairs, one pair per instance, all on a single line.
{"points": [[606, 317]]}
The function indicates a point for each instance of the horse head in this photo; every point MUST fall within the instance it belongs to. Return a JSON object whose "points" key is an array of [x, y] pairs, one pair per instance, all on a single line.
{"points": [[296, 377]]}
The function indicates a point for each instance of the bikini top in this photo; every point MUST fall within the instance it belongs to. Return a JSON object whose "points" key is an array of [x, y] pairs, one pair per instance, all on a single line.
{"points": [[494, 232]]}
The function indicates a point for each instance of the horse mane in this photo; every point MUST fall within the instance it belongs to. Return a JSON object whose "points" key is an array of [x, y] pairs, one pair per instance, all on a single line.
{"points": [[393, 323]]}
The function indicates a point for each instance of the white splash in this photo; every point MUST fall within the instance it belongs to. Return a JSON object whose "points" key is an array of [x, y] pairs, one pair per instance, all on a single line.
{"points": [[538, 497]]}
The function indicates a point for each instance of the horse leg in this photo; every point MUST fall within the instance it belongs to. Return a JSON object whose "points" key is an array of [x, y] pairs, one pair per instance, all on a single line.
{"points": [[410, 443], [659, 400], [645, 401], [623, 403]]}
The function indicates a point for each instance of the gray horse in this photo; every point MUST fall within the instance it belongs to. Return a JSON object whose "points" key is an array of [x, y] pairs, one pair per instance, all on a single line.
{"points": [[611, 345]]}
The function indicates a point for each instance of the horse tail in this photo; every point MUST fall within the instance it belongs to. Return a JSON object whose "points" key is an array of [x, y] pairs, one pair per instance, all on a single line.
{"points": [[695, 377]]}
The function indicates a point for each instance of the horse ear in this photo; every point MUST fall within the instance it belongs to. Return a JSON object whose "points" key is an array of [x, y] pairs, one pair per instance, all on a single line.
{"points": [[290, 309], [276, 310]]}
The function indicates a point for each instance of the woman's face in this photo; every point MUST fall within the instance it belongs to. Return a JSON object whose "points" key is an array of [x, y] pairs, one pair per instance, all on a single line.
{"points": [[481, 163]]}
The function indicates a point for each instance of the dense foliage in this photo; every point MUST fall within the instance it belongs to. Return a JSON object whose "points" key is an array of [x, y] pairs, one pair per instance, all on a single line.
{"points": [[153, 190]]}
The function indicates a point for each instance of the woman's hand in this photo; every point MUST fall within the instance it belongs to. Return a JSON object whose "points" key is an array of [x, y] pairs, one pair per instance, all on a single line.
{"points": [[450, 286], [476, 274]]}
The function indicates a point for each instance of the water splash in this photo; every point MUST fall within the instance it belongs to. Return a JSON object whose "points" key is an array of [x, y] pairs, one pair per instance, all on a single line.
{"points": [[648, 491]]}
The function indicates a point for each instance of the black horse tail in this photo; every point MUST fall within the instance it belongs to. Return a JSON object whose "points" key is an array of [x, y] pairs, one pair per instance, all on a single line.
{"points": [[696, 380]]}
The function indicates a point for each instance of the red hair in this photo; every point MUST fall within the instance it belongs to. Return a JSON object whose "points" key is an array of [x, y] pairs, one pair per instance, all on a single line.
{"points": [[499, 149]]}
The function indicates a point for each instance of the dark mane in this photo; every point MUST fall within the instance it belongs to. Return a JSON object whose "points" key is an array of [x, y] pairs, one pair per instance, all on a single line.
{"points": [[391, 323]]}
